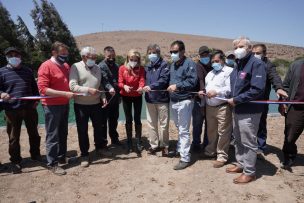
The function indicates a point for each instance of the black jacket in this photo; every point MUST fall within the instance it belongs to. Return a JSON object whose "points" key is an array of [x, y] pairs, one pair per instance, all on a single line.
{"points": [[273, 78], [110, 77], [292, 79]]}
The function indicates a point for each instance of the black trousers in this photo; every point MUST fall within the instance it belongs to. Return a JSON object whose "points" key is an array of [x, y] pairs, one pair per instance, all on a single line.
{"points": [[294, 126], [262, 132], [98, 117], [14, 120], [127, 106], [112, 113]]}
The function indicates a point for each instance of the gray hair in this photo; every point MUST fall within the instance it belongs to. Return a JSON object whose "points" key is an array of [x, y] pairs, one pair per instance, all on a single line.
{"points": [[154, 47], [242, 38], [87, 50]]}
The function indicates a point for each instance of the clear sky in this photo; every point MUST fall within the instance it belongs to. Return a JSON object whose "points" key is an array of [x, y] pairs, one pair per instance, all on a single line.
{"points": [[276, 21]]}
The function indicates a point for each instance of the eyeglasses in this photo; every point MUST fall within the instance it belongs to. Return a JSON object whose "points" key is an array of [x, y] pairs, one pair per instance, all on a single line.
{"points": [[174, 52]]}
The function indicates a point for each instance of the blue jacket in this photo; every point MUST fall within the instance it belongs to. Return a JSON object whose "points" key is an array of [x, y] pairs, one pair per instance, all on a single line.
{"points": [[184, 76], [157, 78], [248, 82]]}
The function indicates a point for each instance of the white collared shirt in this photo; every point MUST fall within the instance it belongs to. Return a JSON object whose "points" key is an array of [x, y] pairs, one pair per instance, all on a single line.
{"points": [[220, 82]]}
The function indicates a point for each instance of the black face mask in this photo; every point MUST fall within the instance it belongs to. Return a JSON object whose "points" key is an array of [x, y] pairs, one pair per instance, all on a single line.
{"points": [[111, 61], [62, 58]]}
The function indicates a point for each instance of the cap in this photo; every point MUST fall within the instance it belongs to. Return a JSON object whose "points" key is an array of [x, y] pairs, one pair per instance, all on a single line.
{"points": [[228, 53], [10, 49], [203, 49]]}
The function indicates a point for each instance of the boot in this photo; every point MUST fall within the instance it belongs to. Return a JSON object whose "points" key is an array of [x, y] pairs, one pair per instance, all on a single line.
{"points": [[129, 137], [138, 129]]}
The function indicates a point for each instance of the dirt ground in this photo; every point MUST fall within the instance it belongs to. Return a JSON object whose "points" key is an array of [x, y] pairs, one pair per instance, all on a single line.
{"points": [[128, 178]]}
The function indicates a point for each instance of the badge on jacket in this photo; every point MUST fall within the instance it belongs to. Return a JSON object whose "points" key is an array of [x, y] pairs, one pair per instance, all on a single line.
{"points": [[243, 75]]}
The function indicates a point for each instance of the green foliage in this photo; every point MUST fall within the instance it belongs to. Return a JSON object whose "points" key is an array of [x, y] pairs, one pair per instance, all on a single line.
{"points": [[100, 58], [120, 60], [281, 62], [50, 28]]}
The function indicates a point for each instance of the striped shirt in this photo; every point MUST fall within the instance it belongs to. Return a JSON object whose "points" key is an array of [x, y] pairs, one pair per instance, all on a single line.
{"points": [[18, 82]]}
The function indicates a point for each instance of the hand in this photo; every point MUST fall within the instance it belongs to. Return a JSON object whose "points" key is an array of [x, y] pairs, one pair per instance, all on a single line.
{"points": [[127, 88], [140, 90], [104, 103], [92, 91], [147, 89], [201, 94], [211, 93], [281, 93], [69, 95], [282, 109], [231, 102], [172, 88], [5, 96], [112, 92], [35, 104]]}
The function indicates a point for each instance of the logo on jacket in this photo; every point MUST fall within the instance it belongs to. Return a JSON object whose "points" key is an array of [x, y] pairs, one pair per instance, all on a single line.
{"points": [[243, 75]]}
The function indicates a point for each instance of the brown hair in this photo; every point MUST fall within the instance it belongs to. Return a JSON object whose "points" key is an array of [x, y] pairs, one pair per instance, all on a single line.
{"points": [[56, 46]]}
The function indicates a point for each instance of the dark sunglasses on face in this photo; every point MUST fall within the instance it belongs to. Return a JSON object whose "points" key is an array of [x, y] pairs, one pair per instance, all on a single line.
{"points": [[174, 52]]}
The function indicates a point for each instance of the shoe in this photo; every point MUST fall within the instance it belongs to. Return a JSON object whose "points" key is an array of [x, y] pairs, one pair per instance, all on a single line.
{"points": [[63, 160], [2, 167], [173, 154], [16, 168], [85, 161], [205, 156], [288, 163], [234, 169], [243, 179], [116, 142], [165, 152], [218, 164], [37, 158], [152, 151], [104, 152], [57, 170], [181, 165], [196, 148]]}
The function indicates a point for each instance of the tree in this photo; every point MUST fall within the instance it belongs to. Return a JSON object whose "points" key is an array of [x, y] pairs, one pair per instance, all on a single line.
{"points": [[8, 34], [51, 28]]}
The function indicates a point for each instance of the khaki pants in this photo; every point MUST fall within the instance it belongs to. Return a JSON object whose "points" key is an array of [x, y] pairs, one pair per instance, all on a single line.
{"points": [[219, 128], [158, 116]]}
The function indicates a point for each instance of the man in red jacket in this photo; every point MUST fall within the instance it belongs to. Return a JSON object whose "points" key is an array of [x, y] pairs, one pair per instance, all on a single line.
{"points": [[53, 80]]}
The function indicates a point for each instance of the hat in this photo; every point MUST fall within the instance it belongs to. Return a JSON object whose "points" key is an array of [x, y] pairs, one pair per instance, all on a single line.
{"points": [[203, 49], [228, 53], [10, 49]]}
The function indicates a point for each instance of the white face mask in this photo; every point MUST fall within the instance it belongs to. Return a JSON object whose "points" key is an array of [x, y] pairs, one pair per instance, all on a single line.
{"points": [[132, 64], [259, 56], [14, 61], [240, 53], [175, 57]]}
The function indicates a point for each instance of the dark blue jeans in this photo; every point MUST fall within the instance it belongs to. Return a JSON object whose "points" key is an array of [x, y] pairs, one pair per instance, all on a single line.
{"points": [[112, 111], [198, 118], [56, 125], [262, 132], [98, 117]]}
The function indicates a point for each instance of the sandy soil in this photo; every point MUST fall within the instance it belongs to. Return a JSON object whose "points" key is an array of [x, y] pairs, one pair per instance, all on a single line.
{"points": [[122, 41], [128, 178]]}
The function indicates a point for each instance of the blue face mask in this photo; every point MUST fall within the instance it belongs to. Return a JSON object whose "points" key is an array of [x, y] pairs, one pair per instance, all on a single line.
{"points": [[205, 60], [14, 61], [175, 57], [230, 62], [153, 57], [217, 66], [90, 62], [62, 58]]}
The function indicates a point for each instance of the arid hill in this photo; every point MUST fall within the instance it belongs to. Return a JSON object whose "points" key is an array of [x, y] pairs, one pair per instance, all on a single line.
{"points": [[122, 41]]}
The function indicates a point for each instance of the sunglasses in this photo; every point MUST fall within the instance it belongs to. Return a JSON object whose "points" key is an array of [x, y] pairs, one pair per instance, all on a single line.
{"points": [[174, 52]]}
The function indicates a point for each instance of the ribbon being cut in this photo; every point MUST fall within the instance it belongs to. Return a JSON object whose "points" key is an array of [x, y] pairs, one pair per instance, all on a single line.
{"points": [[219, 98]]}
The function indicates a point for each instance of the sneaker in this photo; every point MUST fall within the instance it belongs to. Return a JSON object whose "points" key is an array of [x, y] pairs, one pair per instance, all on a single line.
{"points": [[57, 170], [16, 168], [104, 152], [287, 164], [85, 161], [2, 167], [165, 152], [173, 153], [218, 164], [181, 165], [152, 151]]}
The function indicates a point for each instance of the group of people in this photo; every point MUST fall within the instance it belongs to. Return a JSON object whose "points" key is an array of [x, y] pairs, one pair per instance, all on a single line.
{"points": [[217, 90]]}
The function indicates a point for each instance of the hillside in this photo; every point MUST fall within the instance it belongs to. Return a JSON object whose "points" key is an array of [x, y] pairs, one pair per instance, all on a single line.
{"points": [[122, 41]]}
